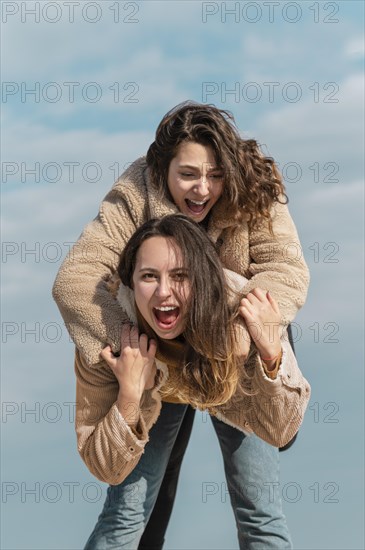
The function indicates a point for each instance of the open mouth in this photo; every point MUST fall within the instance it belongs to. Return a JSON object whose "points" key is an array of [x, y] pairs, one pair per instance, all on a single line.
{"points": [[166, 316], [196, 207]]}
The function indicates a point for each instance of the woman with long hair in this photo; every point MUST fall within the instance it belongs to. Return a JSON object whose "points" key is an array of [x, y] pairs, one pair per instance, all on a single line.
{"points": [[199, 165], [181, 346]]}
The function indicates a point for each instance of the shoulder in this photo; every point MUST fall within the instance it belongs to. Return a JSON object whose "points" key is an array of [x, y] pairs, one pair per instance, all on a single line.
{"points": [[129, 196], [133, 173], [133, 180]]}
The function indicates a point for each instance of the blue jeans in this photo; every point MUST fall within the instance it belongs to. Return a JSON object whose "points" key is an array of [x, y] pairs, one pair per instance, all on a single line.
{"points": [[252, 473]]}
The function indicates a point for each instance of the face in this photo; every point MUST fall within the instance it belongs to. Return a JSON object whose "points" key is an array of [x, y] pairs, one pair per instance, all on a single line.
{"points": [[161, 287], [194, 180]]}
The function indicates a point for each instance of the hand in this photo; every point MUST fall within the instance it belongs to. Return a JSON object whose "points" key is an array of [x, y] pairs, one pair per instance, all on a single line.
{"points": [[262, 315], [134, 368]]}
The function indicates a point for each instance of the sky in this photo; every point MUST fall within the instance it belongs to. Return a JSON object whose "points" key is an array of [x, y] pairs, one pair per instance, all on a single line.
{"points": [[84, 86]]}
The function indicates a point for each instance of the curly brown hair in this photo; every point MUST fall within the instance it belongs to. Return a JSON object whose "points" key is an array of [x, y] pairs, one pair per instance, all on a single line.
{"points": [[252, 182]]}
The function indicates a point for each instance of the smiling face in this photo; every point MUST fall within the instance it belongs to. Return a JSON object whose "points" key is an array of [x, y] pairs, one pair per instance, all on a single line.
{"points": [[161, 286], [194, 180]]}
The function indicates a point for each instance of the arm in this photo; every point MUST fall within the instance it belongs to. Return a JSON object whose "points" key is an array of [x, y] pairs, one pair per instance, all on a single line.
{"points": [[111, 420], [274, 394], [275, 409], [91, 314], [277, 263]]}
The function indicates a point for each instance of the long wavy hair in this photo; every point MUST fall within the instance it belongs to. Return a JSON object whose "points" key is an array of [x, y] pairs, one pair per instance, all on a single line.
{"points": [[252, 182], [210, 367]]}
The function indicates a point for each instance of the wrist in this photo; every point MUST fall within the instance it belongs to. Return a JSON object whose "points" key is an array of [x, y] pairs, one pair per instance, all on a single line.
{"points": [[128, 406], [271, 365], [269, 355]]}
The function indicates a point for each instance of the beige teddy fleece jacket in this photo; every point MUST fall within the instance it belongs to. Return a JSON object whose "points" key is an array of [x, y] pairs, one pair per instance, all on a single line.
{"points": [[91, 314], [109, 447], [93, 317]]}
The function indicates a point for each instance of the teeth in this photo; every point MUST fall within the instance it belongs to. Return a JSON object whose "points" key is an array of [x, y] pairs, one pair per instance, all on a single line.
{"points": [[199, 203], [166, 308]]}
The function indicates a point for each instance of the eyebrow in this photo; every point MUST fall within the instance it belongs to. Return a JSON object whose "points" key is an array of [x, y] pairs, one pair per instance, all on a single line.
{"points": [[152, 269], [190, 167]]}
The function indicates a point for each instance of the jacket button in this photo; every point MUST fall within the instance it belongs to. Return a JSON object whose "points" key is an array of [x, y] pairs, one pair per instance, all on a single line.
{"points": [[131, 449]]}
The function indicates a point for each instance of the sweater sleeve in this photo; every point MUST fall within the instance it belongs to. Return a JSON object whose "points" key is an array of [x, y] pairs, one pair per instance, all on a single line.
{"points": [[277, 263], [274, 409], [90, 312], [106, 443]]}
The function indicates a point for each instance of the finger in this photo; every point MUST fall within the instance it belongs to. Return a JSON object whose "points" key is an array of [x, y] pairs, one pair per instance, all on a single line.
{"points": [[105, 352], [108, 356], [143, 343], [134, 337], [245, 315], [152, 349], [273, 302], [245, 302], [253, 299], [246, 309], [124, 337], [148, 348], [259, 293]]}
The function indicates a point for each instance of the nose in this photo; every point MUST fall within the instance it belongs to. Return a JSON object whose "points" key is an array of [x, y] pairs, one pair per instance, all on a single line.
{"points": [[163, 289], [202, 186]]}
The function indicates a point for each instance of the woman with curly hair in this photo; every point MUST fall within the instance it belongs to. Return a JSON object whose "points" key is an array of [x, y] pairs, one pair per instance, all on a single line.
{"points": [[198, 165]]}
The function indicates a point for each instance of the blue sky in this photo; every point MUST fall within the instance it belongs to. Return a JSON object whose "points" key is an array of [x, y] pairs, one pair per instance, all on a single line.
{"points": [[292, 74]]}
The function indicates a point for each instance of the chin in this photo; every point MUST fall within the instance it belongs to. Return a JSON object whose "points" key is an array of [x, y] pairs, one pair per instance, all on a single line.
{"points": [[167, 335], [197, 217]]}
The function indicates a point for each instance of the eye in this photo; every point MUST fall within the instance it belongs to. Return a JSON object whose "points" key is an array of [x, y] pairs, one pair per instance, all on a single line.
{"points": [[180, 276], [149, 276], [216, 176], [187, 174]]}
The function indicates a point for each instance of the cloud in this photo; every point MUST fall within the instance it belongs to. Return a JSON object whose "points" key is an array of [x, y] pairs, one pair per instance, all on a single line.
{"points": [[355, 47], [308, 132], [46, 217], [29, 140], [120, 33]]}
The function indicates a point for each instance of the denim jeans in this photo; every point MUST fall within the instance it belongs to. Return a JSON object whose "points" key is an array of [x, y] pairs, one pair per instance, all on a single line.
{"points": [[252, 473], [153, 537]]}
